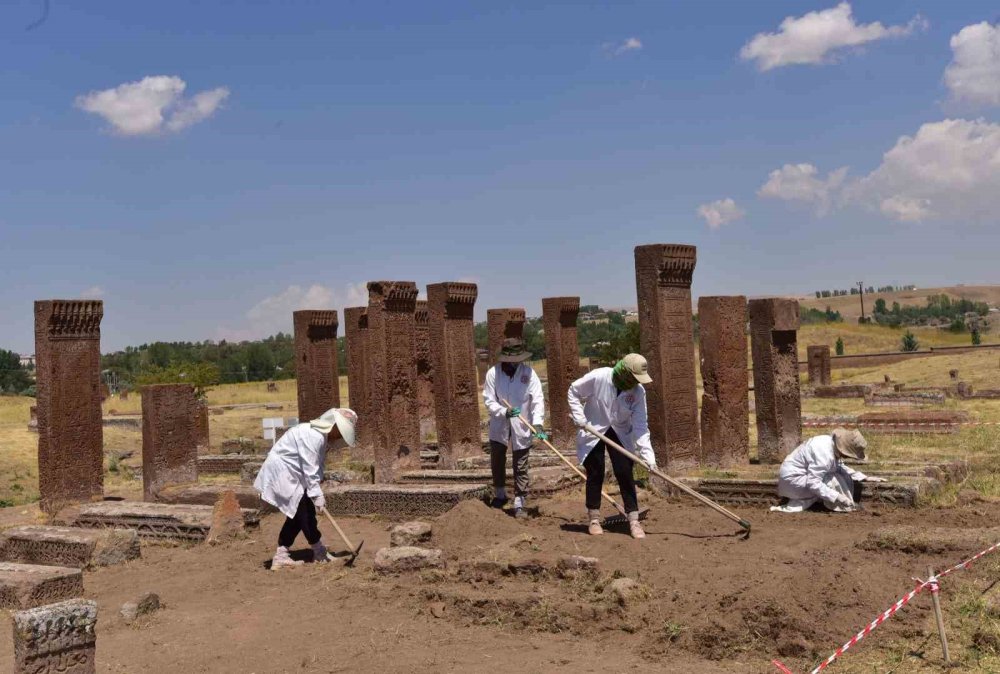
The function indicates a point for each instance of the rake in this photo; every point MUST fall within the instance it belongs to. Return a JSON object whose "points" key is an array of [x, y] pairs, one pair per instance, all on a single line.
{"points": [[612, 520]]}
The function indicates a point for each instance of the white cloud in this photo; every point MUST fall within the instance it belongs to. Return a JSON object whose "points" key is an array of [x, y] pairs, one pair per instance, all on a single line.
{"points": [[947, 170], [801, 182], [151, 105], [720, 212], [818, 37], [274, 313], [973, 76], [92, 293], [619, 48]]}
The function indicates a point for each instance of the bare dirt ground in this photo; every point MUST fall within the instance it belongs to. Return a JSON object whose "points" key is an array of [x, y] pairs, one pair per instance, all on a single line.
{"points": [[707, 601]]}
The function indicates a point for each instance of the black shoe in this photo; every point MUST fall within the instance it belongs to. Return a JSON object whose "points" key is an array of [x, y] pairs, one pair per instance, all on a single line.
{"points": [[520, 513], [498, 503]]}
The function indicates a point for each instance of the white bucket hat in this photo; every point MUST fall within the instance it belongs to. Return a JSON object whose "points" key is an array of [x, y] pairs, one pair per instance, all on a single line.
{"points": [[343, 418]]}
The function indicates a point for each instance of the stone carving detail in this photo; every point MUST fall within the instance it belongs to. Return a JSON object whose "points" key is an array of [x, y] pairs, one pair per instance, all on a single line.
{"points": [[774, 323], [356, 344], [56, 639], [725, 419], [170, 420], [399, 501], [562, 354], [316, 370], [502, 324]]}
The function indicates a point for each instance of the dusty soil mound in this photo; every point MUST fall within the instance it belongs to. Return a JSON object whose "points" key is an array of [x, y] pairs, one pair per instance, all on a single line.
{"points": [[912, 539], [473, 526]]}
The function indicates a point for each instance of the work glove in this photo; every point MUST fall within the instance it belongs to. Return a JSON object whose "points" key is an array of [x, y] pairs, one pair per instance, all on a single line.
{"points": [[869, 478], [540, 434], [513, 412], [319, 501]]}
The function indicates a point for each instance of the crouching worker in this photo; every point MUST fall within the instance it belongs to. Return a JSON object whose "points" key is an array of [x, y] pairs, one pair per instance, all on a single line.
{"points": [[515, 381], [613, 401], [815, 472], [291, 475]]}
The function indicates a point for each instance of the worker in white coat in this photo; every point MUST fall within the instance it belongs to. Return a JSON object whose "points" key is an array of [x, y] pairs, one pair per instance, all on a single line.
{"points": [[291, 475], [514, 381], [815, 472], [613, 401]]}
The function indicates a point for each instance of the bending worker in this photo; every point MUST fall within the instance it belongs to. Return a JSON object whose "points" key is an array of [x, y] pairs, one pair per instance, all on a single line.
{"points": [[815, 472], [613, 401], [513, 380], [291, 475]]}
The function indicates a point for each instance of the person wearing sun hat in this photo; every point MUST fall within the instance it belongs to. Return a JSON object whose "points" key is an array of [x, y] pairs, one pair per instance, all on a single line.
{"points": [[612, 400], [513, 380], [291, 475], [815, 472]]}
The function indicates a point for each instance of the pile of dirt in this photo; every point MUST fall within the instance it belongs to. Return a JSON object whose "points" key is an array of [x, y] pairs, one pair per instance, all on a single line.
{"points": [[472, 527], [915, 539]]}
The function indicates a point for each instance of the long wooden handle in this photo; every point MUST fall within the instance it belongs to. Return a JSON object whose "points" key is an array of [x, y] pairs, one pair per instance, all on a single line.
{"points": [[671, 481], [569, 463], [347, 542]]}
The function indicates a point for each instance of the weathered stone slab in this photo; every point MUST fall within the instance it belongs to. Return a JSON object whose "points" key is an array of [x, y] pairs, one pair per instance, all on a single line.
{"points": [[25, 586], [544, 481], [818, 360], [412, 534], [562, 355], [425, 369], [774, 323], [843, 391], [356, 347], [904, 398], [225, 463], [502, 324], [68, 377], [68, 546], [399, 501], [56, 639], [725, 418], [208, 494], [155, 520], [316, 369], [663, 274], [406, 558], [169, 437], [765, 492]]}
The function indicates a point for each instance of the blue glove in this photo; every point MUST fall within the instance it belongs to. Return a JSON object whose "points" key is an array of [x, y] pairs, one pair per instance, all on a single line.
{"points": [[513, 412], [541, 435]]}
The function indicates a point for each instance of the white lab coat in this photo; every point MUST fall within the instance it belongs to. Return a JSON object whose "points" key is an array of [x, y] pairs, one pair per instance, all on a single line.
{"points": [[293, 467], [593, 398], [523, 390], [806, 474]]}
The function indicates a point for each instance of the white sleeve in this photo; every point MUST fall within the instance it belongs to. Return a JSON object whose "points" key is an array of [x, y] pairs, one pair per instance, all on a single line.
{"points": [[493, 406], [640, 429], [313, 454], [579, 392], [537, 401], [855, 475]]}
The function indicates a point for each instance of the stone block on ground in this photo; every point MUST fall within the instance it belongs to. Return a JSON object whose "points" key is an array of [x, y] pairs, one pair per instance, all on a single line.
{"points": [[625, 590], [405, 559], [225, 463], [68, 546], [399, 501], [144, 605], [227, 520], [24, 586], [155, 520], [59, 637], [412, 534], [208, 494], [572, 566]]}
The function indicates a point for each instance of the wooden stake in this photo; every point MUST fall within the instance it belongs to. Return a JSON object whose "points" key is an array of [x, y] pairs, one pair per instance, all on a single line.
{"points": [[939, 617]]}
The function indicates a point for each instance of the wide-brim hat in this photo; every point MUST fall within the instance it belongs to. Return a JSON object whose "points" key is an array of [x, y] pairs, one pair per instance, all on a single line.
{"points": [[636, 364], [512, 351], [343, 418], [850, 443]]}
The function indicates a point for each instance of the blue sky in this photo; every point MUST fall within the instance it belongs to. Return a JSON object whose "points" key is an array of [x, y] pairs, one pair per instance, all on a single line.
{"points": [[287, 153]]}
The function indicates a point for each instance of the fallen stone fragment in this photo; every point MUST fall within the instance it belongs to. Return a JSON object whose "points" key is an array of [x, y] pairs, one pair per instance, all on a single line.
{"points": [[528, 567], [68, 546], [482, 569], [227, 520], [572, 566], [56, 638], [437, 609], [406, 558], [24, 586], [146, 604], [410, 534]]}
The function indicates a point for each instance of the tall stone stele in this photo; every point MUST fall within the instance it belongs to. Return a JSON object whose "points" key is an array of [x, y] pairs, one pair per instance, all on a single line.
{"points": [[562, 360], [316, 370], [663, 273], [68, 379], [392, 378], [725, 417], [774, 323], [356, 346], [502, 324], [425, 368], [170, 419], [818, 363], [453, 352]]}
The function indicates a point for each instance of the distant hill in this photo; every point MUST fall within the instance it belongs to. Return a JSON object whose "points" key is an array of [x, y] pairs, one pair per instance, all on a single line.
{"points": [[849, 306]]}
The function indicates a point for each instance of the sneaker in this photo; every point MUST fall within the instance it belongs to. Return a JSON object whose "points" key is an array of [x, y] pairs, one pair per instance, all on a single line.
{"points": [[282, 559], [520, 513], [498, 502], [320, 553], [595, 528], [635, 529]]}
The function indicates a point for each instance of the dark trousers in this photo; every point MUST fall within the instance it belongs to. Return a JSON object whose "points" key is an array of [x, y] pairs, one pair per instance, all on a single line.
{"points": [[304, 522], [622, 467], [498, 467]]}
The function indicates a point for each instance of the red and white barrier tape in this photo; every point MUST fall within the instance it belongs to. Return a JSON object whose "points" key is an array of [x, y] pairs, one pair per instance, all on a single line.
{"points": [[932, 584], [901, 422]]}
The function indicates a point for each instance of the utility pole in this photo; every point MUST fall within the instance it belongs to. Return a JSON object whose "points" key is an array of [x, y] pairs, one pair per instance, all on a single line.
{"points": [[861, 289]]}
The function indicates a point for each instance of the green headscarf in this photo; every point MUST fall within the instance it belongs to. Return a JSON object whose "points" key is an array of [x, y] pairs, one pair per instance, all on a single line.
{"points": [[622, 377]]}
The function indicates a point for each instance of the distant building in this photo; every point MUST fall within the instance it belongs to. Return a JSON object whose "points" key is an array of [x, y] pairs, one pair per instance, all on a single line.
{"points": [[27, 361]]}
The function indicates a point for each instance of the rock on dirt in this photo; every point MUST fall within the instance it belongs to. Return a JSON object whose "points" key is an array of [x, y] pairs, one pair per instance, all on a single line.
{"points": [[227, 520], [624, 590], [406, 558], [146, 604], [572, 566], [413, 534]]}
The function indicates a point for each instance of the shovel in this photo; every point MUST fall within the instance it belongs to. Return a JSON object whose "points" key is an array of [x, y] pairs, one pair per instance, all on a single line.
{"points": [[350, 546], [671, 481], [622, 516]]}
